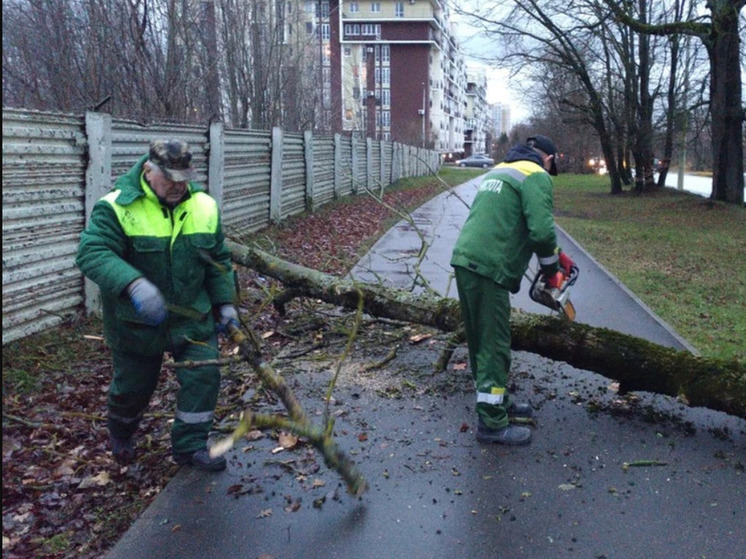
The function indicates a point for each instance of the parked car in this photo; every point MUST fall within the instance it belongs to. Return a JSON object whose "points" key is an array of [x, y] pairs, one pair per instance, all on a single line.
{"points": [[476, 160]]}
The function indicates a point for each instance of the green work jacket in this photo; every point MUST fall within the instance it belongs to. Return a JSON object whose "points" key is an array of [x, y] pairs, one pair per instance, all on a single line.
{"points": [[181, 250], [510, 219]]}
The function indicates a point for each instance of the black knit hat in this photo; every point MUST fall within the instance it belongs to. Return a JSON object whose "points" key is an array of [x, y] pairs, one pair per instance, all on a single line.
{"points": [[547, 146]]}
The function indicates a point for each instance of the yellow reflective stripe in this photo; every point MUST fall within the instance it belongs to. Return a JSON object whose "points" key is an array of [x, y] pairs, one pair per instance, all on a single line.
{"points": [[203, 214], [144, 216], [524, 166], [141, 218], [494, 396]]}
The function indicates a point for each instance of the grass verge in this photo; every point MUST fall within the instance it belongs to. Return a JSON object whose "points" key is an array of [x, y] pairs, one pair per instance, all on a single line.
{"points": [[683, 255]]}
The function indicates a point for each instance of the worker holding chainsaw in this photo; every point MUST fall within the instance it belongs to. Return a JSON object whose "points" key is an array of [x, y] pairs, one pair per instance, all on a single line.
{"points": [[510, 220], [154, 245]]}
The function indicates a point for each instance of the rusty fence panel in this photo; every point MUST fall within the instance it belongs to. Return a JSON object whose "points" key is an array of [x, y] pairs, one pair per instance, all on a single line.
{"points": [[44, 164]]}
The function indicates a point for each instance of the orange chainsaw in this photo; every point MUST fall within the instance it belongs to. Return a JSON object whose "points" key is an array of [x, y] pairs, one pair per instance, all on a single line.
{"points": [[556, 298]]}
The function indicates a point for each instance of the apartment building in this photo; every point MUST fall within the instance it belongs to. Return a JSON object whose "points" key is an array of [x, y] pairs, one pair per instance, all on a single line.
{"points": [[500, 119], [477, 125], [393, 70]]}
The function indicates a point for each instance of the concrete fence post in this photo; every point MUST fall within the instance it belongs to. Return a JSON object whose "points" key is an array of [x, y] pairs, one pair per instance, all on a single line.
{"points": [[275, 176], [337, 166], [382, 167], [353, 165], [216, 162], [98, 182], [369, 184], [310, 183]]}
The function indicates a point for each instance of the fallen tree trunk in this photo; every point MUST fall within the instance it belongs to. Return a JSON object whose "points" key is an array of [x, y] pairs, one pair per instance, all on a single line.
{"points": [[635, 363]]}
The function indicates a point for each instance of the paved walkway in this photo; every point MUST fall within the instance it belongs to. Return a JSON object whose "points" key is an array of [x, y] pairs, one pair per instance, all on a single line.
{"points": [[599, 298], [435, 493]]}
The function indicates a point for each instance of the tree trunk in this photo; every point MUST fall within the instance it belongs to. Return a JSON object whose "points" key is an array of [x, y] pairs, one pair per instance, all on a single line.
{"points": [[636, 363], [726, 103]]}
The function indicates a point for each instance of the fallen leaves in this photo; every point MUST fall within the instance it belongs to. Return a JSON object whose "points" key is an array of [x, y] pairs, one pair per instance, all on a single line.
{"points": [[99, 480], [54, 402]]}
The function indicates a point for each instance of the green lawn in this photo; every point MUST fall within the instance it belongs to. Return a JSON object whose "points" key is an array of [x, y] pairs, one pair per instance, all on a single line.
{"points": [[683, 255]]}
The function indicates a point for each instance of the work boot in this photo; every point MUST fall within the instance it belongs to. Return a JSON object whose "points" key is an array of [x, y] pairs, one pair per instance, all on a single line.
{"points": [[122, 449], [520, 410], [201, 460], [509, 435]]}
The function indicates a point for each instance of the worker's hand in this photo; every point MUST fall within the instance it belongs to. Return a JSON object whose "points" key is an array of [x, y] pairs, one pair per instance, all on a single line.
{"points": [[565, 263], [228, 315], [555, 281], [148, 301]]}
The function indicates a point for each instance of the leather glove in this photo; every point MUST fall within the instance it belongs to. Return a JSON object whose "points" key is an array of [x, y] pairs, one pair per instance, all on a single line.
{"points": [[228, 315], [148, 301], [565, 263], [555, 281]]}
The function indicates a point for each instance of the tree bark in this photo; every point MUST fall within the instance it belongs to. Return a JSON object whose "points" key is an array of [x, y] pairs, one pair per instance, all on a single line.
{"points": [[635, 363]]}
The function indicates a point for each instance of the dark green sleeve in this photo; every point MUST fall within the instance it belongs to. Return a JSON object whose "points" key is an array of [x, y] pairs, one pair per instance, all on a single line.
{"points": [[538, 205], [102, 252]]}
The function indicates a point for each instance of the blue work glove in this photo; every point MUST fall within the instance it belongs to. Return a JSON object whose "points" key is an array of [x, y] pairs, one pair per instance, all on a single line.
{"points": [[228, 315], [148, 301]]}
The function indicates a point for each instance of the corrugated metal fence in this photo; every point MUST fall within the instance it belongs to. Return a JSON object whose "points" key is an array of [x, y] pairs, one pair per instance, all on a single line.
{"points": [[56, 166]]}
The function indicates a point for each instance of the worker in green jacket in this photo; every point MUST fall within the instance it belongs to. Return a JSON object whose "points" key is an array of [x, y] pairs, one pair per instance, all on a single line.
{"points": [[510, 219], [154, 246]]}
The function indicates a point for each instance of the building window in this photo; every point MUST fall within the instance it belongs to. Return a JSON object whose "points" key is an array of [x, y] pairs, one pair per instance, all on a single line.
{"points": [[348, 50], [385, 54], [309, 28], [375, 7], [386, 97], [386, 76], [386, 119], [325, 31], [354, 7], [398, 9], [325, 9], [352, 29], [310, 7], [371, 29]]}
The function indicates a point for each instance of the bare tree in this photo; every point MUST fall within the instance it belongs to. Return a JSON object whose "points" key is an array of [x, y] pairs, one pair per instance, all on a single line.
{"points": [[720, 35], [561, 45], [254, 64]]}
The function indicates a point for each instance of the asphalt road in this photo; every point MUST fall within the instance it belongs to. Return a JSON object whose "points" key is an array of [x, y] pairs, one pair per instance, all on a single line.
{"points": [[604, 478]]}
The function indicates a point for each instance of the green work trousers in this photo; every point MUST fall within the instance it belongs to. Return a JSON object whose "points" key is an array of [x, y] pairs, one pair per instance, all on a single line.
{"points": [[135, 380], [485, 310]]}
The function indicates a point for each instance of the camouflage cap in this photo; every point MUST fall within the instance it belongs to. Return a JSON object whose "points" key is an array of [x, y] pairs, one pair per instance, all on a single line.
{"points": [[173, 158]]}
